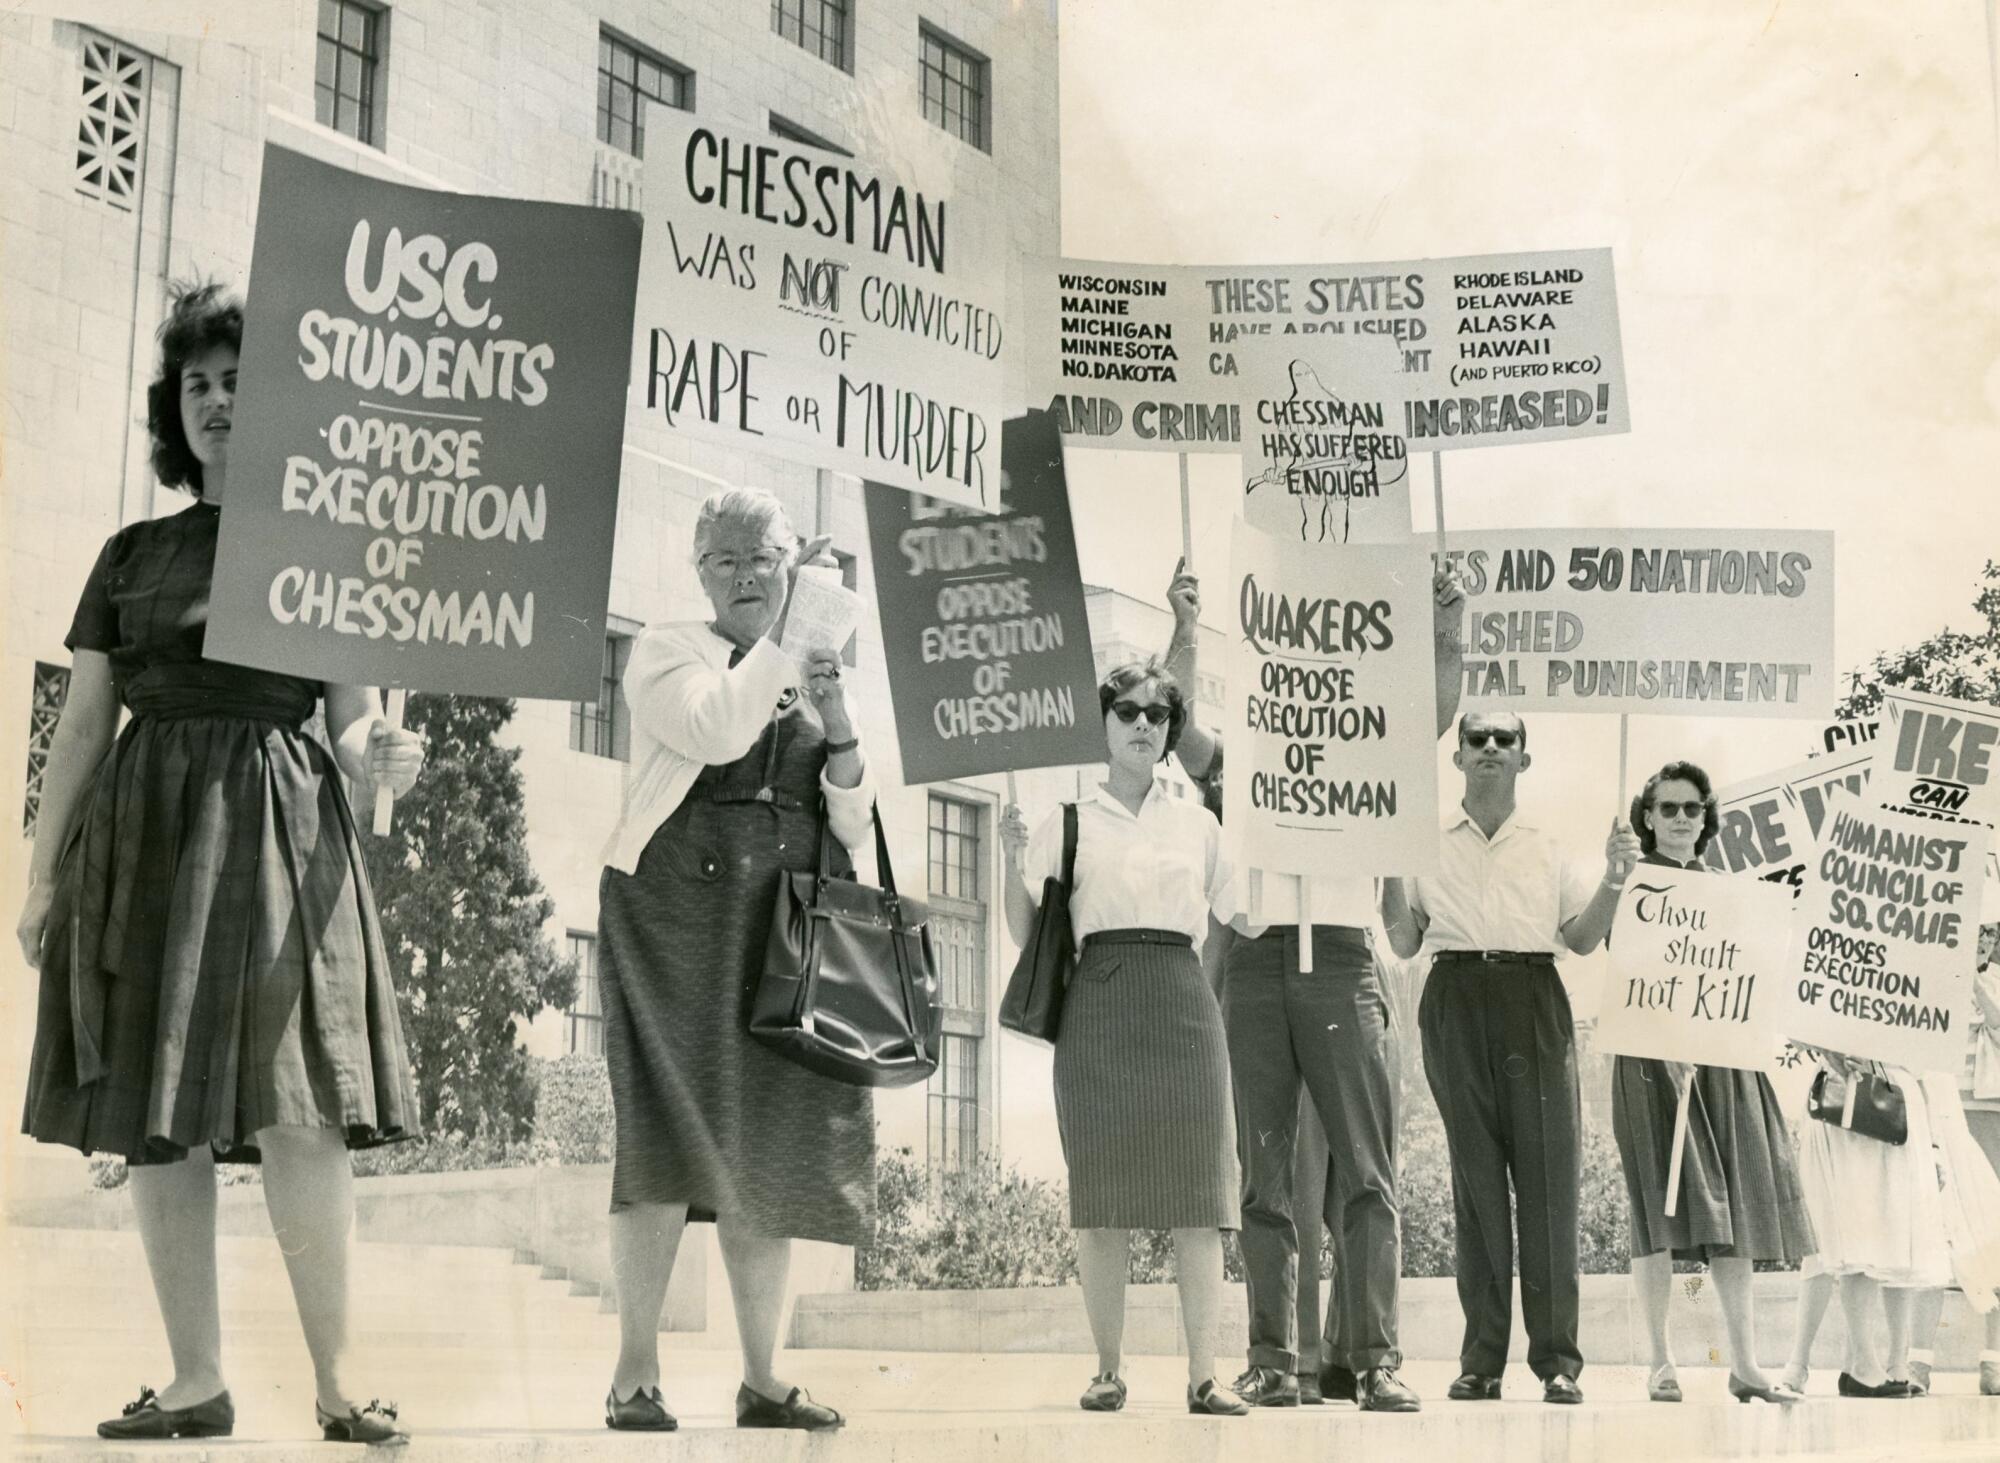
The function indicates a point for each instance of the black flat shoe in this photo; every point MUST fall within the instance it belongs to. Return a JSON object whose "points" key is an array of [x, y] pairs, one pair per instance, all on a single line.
{"points": [[1380, 1390], [145, 1419], [1851, 1388], [375, 1423], [643, 1412], [1474, 1388], [753, 1409], [1563, 1390], [1336, 1383]]}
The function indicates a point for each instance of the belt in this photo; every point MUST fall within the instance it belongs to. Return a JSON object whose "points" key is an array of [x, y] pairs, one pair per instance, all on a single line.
{"points": [[1138, 937], [1494, 957]]}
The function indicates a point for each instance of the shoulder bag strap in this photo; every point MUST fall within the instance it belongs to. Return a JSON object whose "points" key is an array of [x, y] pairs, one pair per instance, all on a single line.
{"points": [[1069, 848]]}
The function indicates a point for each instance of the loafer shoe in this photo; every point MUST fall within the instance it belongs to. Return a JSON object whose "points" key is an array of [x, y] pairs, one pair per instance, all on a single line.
{"points": [[1563, 1390], [1851, 1388], [375, 1423], [1472, 1387], [753, 1409], [645, 1411], [1381, 1390], [1336, 1383], [1209, 1400], [146, 1419], [1268, 1386]]}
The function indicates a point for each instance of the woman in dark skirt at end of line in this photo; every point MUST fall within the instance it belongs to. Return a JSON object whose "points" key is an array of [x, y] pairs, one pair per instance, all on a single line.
{"points": [[1142, 1062], [1740, 1198], [214, 983]]}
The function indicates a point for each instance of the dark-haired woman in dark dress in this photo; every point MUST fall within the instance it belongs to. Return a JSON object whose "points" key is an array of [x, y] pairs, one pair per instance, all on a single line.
{"points": [[213, 978], [1740, 1199]]}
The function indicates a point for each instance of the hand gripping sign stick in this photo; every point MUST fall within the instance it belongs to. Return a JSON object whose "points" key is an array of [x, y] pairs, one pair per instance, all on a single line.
{"points": [[384, 799]]}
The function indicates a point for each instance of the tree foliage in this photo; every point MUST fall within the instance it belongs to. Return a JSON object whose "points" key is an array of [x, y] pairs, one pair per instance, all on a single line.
{"points": [[1963, 665], [463, 915]]}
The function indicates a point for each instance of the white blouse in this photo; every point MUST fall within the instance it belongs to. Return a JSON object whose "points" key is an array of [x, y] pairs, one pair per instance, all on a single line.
{"points": [[1162, 870], [690, 710]]}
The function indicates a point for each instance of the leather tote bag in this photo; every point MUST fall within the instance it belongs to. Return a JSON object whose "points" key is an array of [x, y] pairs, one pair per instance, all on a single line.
{"points": [[1032, 1006]]}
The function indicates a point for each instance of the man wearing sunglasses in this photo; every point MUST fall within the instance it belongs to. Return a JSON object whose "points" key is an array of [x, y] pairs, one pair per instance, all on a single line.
{"points": [[1328, 1030], [1500, 1051]]}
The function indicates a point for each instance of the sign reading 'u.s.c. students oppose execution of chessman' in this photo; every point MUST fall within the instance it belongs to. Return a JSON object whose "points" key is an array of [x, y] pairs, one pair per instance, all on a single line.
{"points": [[1486, 351], [819, 308], [423, 484]]}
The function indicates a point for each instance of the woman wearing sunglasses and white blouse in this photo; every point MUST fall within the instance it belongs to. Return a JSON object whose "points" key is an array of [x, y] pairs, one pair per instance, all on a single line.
{"points": [[1142, 1063]]}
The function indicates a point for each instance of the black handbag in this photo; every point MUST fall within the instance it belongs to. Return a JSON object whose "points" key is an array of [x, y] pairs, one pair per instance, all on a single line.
{"points": [[1869, 1105], [1032, 1005], [850, 987]]}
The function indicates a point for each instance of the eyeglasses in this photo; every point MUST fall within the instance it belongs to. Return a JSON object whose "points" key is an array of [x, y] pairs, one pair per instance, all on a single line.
{"points": [[1678, 810], [1128, 712], [764, 563], [1501, 739]]}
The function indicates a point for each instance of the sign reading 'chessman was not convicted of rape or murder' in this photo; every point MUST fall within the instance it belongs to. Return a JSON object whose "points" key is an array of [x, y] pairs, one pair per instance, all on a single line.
{"points": [[1938, 757], [1885, 944], [423, 478], [1722, 622], [1331, 729], [984, 627], [1696, 969], [1766, 825], [819, 308], [1487, 350]]}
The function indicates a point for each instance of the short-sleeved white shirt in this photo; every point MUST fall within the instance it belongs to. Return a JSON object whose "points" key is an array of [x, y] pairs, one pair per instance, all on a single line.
{"points": [[1161, 870], [1514, 891]]}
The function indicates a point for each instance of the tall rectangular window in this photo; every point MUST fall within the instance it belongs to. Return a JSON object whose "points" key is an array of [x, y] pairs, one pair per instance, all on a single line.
{"points": [[823, 27], [953, 1099], [584, 1019], [956, 86], [603, 727], [45, 706], [627, 76], [351, 44], [958, 899]]}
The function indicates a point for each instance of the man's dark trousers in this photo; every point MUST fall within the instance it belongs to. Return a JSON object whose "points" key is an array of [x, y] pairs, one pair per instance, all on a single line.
{"points": [[1500, 1053], [1330, 1028]]}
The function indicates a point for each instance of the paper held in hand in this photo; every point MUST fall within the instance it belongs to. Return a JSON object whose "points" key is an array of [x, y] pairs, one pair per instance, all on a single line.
{"points": [[822, 615]]}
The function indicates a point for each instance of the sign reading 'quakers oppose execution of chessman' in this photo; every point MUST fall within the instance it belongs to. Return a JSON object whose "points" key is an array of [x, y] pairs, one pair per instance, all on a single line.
{"points": [[1487, 350], [819, 308], [423, 482], [1332, 707], [1722, 622], [984, 628], [1938, 757], [1885, 943]]}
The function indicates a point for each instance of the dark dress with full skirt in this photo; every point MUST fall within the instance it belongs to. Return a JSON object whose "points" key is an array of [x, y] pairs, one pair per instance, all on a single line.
{"points": [[706, 1116], [212, 964], [1740, 1196]]}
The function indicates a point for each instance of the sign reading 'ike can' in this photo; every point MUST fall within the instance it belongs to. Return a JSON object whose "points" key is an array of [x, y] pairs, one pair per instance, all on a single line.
{"points": [[983, 621]]}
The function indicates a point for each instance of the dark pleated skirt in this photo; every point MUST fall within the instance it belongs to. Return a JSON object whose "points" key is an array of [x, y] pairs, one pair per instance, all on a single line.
{"points": [[1740, 1196], [1142, 1091], [706, 1116], [214, 964]]}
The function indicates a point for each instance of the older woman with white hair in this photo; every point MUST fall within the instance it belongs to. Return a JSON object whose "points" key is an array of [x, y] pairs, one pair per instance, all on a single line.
{"points": [[732, 772]]}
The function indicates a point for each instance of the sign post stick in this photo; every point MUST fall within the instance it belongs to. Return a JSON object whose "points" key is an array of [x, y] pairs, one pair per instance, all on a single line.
{"points": [[1680, 1145], [1305, 924], [384, 799], [1624, 747], [1437, 494], [1187, 521], [1013, 793]]}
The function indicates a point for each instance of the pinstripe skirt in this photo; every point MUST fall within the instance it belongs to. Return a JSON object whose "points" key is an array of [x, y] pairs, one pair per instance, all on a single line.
{"points": [[1142, 1089]]}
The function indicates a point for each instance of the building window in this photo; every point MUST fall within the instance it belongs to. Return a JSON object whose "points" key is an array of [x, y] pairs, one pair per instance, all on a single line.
{"points": [[953, 1098], [351, 40], [954, 848], [822, 27], [112, 131], [45, 706], [585, 1017], [603, 727], [628, 76], [791, 131], [955, 90]]}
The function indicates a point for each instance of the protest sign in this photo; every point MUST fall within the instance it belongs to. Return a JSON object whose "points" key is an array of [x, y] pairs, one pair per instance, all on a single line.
{"points": [[1321, 464], [1885, 943], [983, 622], [1937, 758], [1766, 825], [1722, 622], [820, 308], [1331, 735], [1696, 967], [1838, 736], [423, 478], [1487, 350]]}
